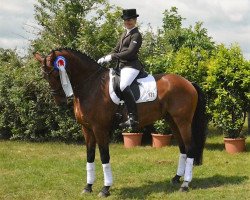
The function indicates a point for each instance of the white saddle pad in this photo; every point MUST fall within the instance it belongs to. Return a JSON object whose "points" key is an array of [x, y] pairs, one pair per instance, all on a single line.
{"points": [[147, 86]]}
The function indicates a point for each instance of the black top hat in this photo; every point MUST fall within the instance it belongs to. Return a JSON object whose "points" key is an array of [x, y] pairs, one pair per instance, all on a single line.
{"points": [[129, 14]]}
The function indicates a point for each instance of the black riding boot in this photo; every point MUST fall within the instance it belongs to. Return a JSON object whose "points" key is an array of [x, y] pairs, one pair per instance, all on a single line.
{"points": [[130, 103]]}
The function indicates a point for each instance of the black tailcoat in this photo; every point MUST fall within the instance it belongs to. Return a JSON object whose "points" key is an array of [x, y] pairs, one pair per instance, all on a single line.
{"points": [[127, 48]]}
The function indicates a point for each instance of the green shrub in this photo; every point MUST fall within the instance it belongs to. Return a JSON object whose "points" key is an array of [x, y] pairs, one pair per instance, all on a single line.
{"points": [[228, 84], [27, 110], [191, 64]]}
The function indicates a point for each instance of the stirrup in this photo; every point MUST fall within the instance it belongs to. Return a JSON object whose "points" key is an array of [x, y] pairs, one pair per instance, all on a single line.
{"points": [[130, 123]]}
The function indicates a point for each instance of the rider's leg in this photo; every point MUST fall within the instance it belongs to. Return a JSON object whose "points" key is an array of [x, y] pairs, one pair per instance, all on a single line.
{"points": [[127, 77]]}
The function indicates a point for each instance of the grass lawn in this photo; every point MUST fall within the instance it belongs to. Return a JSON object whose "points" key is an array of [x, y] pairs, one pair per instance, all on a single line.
{"points": [[57, 171]]}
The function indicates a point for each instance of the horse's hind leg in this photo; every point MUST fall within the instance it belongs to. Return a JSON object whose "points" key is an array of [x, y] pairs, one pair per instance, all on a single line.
{"points": [[190, 150], [90, 166], [187, 153], [182, 156]]}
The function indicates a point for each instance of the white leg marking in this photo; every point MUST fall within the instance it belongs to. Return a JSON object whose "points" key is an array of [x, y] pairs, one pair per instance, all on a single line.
{"points": [[108, 178], [181, 165], [184, 184], [189, 170], [90, 167]]}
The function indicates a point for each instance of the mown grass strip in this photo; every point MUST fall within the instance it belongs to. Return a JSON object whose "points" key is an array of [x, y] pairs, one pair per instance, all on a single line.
{"points": [[57, 171]]}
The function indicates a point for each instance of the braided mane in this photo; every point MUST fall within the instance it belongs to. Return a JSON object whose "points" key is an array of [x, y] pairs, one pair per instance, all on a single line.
{"points": [[82, 55]]}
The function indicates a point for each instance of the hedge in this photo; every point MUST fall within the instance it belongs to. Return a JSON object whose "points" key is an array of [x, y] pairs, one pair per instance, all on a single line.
{"points": [[28, 111]]}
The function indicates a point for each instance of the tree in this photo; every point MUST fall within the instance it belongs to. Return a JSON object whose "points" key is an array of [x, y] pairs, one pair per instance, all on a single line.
{"points": [[185, 43], [10, 57], [172, 29], [198, 38], [158, 48], [178, 36], [64, 22], [99, 35]]}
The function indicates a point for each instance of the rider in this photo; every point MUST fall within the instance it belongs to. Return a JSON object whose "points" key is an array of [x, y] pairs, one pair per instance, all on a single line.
{"points": [[126, 52]]}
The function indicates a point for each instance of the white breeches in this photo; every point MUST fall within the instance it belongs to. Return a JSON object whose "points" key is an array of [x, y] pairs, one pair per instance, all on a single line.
{"points": [[128, 75]]}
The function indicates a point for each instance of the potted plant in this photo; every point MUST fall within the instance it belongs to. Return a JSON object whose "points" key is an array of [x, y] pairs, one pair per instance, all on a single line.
{"points": [[131, 139], [229, 117], [228, 86], [231, 123], [162, 135]]}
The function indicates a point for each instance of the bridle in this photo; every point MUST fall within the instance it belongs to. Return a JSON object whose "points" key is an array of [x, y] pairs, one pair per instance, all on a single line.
{"points": [[47, 74], [57, 92]]}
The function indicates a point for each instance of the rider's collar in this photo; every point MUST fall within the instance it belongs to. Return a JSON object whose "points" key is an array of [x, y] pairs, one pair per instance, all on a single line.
{"points": [[128, 30]]}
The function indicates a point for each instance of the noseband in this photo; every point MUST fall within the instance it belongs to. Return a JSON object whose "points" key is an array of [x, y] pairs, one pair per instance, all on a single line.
{"points": [[46, 74]]}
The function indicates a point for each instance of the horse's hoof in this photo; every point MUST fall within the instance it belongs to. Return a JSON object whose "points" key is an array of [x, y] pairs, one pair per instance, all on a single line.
{"points": [[104, 192], [87, 189], [103, 195], [184, 189], [176, 180]]}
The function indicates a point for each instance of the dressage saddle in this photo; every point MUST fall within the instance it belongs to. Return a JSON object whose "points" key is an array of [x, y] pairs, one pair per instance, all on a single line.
{"points": [[134, 86]]}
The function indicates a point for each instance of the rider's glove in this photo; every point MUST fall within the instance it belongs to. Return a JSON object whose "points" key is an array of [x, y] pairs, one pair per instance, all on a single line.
{"points": [[104, 59]]}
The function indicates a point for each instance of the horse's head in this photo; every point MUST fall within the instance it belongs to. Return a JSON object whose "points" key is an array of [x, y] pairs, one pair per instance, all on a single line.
{"points": [[53, 77]]}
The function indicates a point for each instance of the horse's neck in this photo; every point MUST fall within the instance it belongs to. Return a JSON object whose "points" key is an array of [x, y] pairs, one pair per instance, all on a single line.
{"points": [[85, 79]]}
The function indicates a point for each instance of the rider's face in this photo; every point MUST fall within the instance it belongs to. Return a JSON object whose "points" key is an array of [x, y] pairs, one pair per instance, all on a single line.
{"points": [[130, 23]]}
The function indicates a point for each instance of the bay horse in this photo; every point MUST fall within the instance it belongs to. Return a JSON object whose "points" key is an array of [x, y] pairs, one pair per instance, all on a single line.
{"points": [[178, 100]]}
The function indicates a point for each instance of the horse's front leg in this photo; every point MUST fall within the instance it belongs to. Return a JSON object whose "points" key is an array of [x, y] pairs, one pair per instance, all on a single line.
{"points": [[108, 178], [102, 138], [90, 166]]}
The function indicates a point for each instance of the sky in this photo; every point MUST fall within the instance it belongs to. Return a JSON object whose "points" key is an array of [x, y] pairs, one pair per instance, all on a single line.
{"points": [[227, 21]]}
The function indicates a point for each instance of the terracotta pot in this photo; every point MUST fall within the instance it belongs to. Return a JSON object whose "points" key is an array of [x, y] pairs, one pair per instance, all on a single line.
{"points": [[159, 140], [235, 145], [132, 139]]}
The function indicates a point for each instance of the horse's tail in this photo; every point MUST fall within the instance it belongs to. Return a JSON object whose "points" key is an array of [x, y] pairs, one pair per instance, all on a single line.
{"points": [[199, 125]]}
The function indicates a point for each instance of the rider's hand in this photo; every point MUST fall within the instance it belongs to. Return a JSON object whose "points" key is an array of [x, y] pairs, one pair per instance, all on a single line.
{"points": [[104, 59]]}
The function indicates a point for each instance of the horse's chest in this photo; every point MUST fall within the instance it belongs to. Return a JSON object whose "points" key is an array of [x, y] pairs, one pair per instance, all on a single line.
{"points": [[79, 113]]}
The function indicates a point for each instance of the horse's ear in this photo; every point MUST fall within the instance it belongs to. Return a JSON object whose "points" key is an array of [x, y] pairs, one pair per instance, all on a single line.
{"points": [[38, 57], [50, 58]]}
